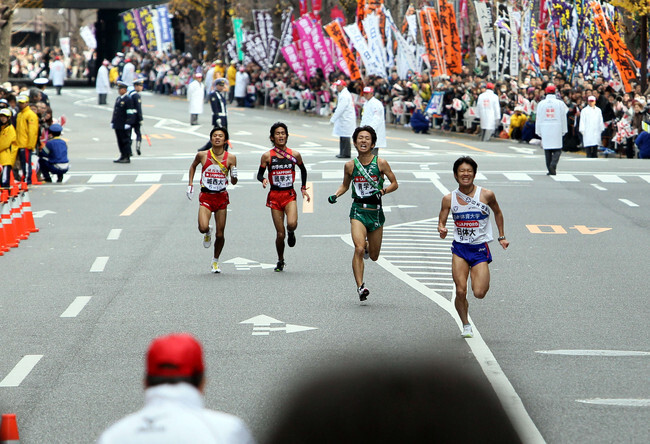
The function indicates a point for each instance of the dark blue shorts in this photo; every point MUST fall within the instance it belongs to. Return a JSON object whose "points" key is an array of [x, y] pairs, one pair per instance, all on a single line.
{"points": [[473, 254]]}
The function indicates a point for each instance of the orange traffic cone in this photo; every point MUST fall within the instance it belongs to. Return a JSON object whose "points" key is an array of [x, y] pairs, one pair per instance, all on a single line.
{"points": [[3, 236], [16, 214], [9, 229], [9, 429], [35, 180], [28, 217]]}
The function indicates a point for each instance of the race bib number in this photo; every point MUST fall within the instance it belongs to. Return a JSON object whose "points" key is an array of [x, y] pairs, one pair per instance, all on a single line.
{"points": [[363, 188], [282, 178], [214, 179]]}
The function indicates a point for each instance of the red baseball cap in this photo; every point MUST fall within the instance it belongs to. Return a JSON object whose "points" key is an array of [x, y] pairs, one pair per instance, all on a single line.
{"points": [[340, 83], [368, 89], [175, 355], [550, 89], [490, 85]]}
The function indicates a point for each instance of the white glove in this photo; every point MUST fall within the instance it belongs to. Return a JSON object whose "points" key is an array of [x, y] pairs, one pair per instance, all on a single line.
{"points": [[233, 172], [127, 126], [190, 192], [112, 125]]}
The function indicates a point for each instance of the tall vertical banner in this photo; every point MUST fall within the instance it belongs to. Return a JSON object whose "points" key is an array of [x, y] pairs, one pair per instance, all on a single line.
{"points": [[515, 26], [405, 52], [375, 42], [503, 40], [431, 42], [146, 18], [129, 19], [314, 33], [360, 44], [310, 57], [335, 31], [484, 14], [285, 33], [237, 26], [165, 26], [453, 55]]}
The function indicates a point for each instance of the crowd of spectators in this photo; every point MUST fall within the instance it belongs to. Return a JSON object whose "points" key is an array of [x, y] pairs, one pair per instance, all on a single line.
{"points": [[405, 99]]}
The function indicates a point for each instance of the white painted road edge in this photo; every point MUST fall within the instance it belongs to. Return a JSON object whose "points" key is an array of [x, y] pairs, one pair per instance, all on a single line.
{"points": [[20, 371], [510, 400]]}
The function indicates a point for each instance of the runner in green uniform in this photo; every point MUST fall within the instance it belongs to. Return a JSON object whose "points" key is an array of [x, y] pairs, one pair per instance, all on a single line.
{"points": [[367, 173]]}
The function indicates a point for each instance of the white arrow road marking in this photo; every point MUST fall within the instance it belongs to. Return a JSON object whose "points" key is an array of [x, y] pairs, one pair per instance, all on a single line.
{"points": [[389, 208], [617, 402], [262, 326], [522, 150], [74, 190], [309, 144], [80, 115], [246, 264], [20, 371], [438, 140], [43, 213], [417, 145], [594, 352], [242, 133]]}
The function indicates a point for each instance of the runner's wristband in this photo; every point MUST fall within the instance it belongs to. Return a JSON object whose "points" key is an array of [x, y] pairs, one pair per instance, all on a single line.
{"points": [[233, 172], [500, 238], [332, 199]]}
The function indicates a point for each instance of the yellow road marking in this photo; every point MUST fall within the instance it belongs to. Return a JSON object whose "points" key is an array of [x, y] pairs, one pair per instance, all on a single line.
{"points": [[308, 207], [397, 138], [140, 200], [330, 139], [297, 135], [472, 147], [554, 229], [161, 136]]}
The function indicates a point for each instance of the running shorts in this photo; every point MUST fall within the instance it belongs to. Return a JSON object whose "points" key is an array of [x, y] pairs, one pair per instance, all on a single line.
{"points": [[472, 253], [278, 199], [371, 219], [214, 201]]}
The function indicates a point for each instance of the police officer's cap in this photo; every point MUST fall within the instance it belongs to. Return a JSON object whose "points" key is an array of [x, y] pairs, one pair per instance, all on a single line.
{"points": [[220, 81], [4, 103], [40, 81], [139, 81], [121, 84], [56, 128]]}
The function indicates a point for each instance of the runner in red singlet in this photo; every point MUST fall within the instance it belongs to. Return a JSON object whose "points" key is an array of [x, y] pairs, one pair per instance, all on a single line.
{"points": [[281, 163], [216, 164]]}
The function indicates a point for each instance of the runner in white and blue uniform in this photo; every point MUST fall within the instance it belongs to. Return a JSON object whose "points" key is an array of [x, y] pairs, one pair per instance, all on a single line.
{"points": [[470, 206]]}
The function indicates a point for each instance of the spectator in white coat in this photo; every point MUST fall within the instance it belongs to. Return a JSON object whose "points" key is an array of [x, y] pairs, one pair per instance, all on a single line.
{"points": [[344, 119], [57, 74], [551, 124], [591, 127], [173, 410], [489, 111], [241, 85], [374, 115], [128, 73], [195, 95], [102, 84]]}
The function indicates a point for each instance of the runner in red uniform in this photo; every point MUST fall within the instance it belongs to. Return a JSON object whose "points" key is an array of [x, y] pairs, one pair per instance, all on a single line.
{"points": [[281, 163], [216, 164]]}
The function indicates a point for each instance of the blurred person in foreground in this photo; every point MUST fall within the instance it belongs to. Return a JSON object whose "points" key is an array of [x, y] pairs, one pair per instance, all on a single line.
{"points": [[392, 402], [173, 412]]}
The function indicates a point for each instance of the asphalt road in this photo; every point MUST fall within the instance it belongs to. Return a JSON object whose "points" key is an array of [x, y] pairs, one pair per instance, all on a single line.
{"points": [[561, 336]]}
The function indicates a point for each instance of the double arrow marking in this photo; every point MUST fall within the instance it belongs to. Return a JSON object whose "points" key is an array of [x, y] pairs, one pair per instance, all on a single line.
{"points": [[262, 326]]}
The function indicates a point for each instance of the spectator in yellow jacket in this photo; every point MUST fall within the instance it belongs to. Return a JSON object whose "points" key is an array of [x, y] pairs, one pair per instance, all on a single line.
{"points": [[231, 73], [26, 136], [517, 122], [7, 146]]}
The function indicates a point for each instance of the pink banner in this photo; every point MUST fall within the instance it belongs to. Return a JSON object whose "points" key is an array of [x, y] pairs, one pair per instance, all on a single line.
{"points": [[315, 34], [312, 60], [292, 57], [340, 61]]}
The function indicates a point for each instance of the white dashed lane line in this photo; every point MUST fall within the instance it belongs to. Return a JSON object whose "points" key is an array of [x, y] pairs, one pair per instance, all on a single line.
{"points": [[628, 203], [114, 234], [75, 307], [99, 264], [20, 371]]}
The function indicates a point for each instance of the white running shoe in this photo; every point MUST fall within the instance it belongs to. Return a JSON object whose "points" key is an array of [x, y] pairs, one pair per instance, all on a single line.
{"points": [[467, 331], [215, 267], [207, 238]]}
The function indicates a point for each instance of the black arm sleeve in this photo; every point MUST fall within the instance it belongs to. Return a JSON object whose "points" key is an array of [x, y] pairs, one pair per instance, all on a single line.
{"points": [[303, 174], [260, 173]]}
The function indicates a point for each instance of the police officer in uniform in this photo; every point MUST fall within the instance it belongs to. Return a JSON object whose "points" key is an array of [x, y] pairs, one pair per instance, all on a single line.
{"points": [[218, 104], [124, 116], [40, 83], [138, 85]]}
